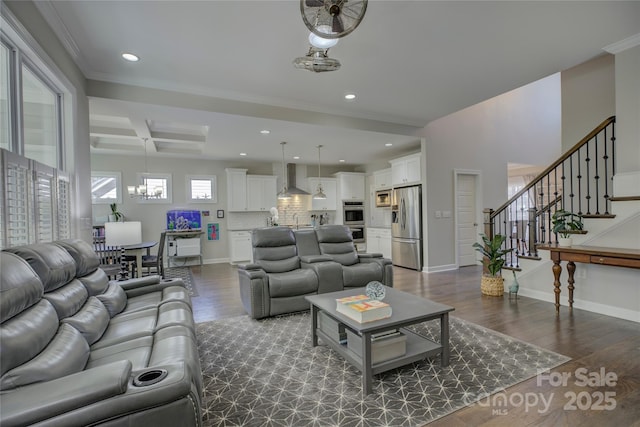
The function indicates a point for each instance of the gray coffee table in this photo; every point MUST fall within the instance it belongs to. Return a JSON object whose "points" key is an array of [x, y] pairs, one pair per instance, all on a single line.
{"points": [[407, 309]]}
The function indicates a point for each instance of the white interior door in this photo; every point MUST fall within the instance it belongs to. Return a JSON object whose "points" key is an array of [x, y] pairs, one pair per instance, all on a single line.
{"points": [[466, 219]]}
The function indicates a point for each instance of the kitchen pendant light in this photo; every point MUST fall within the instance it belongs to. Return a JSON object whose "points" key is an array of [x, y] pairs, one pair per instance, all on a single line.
{"points": [[142, 190], [284, 194], [319, 195]]}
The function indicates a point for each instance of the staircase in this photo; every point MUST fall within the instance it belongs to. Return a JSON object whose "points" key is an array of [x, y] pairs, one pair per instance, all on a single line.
{"points": [[580, 181]]}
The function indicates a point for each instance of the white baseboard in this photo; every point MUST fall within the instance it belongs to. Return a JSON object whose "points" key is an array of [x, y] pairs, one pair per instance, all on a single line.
{"points": [[215, 261], [608, 310], [439, 268]]}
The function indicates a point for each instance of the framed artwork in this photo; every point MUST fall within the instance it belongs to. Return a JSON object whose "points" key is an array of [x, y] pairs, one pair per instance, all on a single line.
{"points": [[220, 213], [213, 231]]}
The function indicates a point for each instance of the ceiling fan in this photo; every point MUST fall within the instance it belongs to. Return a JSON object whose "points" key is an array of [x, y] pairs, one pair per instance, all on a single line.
{"points": [[332, 19], [328, 20]]}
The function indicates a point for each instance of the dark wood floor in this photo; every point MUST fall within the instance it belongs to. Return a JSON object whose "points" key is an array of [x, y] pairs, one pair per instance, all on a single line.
{"points": [[593, 341]]}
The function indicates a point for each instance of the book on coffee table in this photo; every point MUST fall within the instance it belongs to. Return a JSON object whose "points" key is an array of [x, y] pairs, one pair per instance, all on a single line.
{"points": [[363, 309]]}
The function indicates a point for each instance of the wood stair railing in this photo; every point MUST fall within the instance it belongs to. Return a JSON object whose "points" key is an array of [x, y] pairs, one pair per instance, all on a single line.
{"points": [[579, 182]]}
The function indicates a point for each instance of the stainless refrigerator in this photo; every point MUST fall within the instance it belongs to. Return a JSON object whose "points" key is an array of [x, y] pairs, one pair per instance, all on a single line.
{"points": [[406, 227]]}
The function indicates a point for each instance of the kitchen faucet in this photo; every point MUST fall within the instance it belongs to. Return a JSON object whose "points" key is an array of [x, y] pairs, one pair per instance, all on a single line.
{"points": [[295, 218]]}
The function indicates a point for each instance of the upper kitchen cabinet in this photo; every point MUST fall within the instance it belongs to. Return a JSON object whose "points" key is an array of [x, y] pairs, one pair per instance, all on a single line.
{"points": [[329, 188], [382, 179], [350, 185], [236, 190], [250, 192], [405, 170], [261, 192]]}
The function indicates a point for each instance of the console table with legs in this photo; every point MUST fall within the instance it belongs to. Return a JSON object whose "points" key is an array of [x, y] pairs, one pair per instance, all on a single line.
{"points": [[615, 257]]}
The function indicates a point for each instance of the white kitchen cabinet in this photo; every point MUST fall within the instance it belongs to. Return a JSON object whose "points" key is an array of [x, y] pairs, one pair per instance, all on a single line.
{"points": [[240, 249], [329, 188], [236, 190], [406, 170], [350, 185], [261, 192], [379, 241], [382, 179]]}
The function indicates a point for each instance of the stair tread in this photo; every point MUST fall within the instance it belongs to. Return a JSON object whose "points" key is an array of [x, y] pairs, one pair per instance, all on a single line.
{"points": [[533, 257], [607, 216]]}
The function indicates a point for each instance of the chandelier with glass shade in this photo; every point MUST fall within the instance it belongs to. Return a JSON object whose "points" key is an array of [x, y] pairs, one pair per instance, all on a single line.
{"points": [[142, 190], [319, 194]]}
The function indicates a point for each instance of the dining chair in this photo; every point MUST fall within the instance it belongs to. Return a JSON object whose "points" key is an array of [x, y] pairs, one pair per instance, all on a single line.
{"points": [[155, 261], [109, 257]]}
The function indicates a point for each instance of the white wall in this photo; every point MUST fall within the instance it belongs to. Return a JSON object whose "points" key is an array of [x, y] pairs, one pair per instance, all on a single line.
{"points": [[628, 110], [588, 98], [521, 126]]}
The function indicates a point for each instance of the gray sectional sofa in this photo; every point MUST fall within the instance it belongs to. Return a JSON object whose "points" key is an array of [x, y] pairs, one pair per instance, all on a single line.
{"points": [[77, 350], [288, 265]]}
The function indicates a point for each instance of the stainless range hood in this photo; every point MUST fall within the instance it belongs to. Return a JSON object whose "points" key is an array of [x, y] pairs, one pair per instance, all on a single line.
{"points": [[291, 181]]}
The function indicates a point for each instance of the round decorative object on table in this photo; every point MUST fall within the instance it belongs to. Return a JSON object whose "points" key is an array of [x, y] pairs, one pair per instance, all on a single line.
{"points": [[375, 290]]}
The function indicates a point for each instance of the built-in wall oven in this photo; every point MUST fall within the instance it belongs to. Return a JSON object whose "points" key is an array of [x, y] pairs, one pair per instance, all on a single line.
{"points": [[353, 213], [353, 217]]}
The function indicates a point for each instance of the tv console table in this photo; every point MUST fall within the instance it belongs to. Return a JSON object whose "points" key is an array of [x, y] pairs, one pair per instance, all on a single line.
{"points": [[615, 257]]}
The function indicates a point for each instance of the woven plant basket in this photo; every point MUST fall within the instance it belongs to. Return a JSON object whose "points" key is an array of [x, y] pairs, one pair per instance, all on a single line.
{"points": [[492, 286]]}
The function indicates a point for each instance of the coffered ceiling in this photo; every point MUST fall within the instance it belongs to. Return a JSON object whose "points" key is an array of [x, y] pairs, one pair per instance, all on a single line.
{"points": [[218, 72]]}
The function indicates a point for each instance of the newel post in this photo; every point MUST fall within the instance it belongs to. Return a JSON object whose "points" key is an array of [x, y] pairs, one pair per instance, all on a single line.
{"points": [[488, 223]]}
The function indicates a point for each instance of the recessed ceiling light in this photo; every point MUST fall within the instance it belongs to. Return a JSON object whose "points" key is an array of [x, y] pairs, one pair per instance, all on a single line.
{"points": [[243, 154], [130, 57], [350, 96], [265, 131], [388, 144], [296, 157], [341, 160]]}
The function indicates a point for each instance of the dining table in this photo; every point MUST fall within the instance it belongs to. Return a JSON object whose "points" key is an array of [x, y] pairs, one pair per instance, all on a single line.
{"points": [[139, 249]]}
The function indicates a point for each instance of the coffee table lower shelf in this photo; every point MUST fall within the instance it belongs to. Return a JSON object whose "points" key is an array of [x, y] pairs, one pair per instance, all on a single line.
{"points": [[418, 348]]}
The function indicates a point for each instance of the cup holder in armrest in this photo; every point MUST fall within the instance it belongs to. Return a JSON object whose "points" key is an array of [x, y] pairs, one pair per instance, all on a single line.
{"points": [[149, 377]]}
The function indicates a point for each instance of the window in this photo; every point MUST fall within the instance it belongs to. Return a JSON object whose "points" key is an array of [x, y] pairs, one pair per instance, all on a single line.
{"points": [[105, 187], [5, 105], [202, 189], [40, 119], [156, 188]]}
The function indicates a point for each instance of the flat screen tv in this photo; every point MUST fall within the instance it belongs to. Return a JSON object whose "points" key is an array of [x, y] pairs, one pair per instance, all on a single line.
{"points": [[183, 220]]}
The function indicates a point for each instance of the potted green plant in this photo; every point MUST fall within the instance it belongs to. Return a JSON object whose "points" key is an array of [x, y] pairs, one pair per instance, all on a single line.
{"points": [[493, 259], [565, 222], [115, 216]]}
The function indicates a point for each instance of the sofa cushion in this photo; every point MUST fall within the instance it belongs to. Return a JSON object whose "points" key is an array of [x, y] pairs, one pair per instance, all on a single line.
{"points": [[86, 259], [91, 320], [274, 249], [51, 262], [27, 334], [337, 242], [66, 354], [358, 275], [292, 283], [114, 299], [20, 287], [96, 282], [68, 299], [137, 351]]}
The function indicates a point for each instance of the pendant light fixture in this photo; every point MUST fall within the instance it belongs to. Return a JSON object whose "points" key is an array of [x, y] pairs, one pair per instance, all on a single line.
{"points": [[141, 190], [284, 194], [319, 195]]}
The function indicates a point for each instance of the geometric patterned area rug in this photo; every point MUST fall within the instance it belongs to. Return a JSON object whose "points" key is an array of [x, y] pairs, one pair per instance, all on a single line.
{"points": [[265, 372], [185, 274]]}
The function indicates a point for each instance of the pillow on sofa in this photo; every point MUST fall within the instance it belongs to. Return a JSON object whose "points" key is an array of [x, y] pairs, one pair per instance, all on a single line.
{"points": [[114, 299]]}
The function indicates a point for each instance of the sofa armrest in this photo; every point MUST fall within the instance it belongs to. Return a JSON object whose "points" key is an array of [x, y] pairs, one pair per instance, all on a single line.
{"points": [[310, 259], [369, 256], [385, 264], [137, 282], [254, 292], [36, 402], [249, 267], [329, 275]]}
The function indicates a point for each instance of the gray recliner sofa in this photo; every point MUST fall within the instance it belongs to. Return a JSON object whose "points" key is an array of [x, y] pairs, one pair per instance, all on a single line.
{"points": [[77, 349], [290, 265]]}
